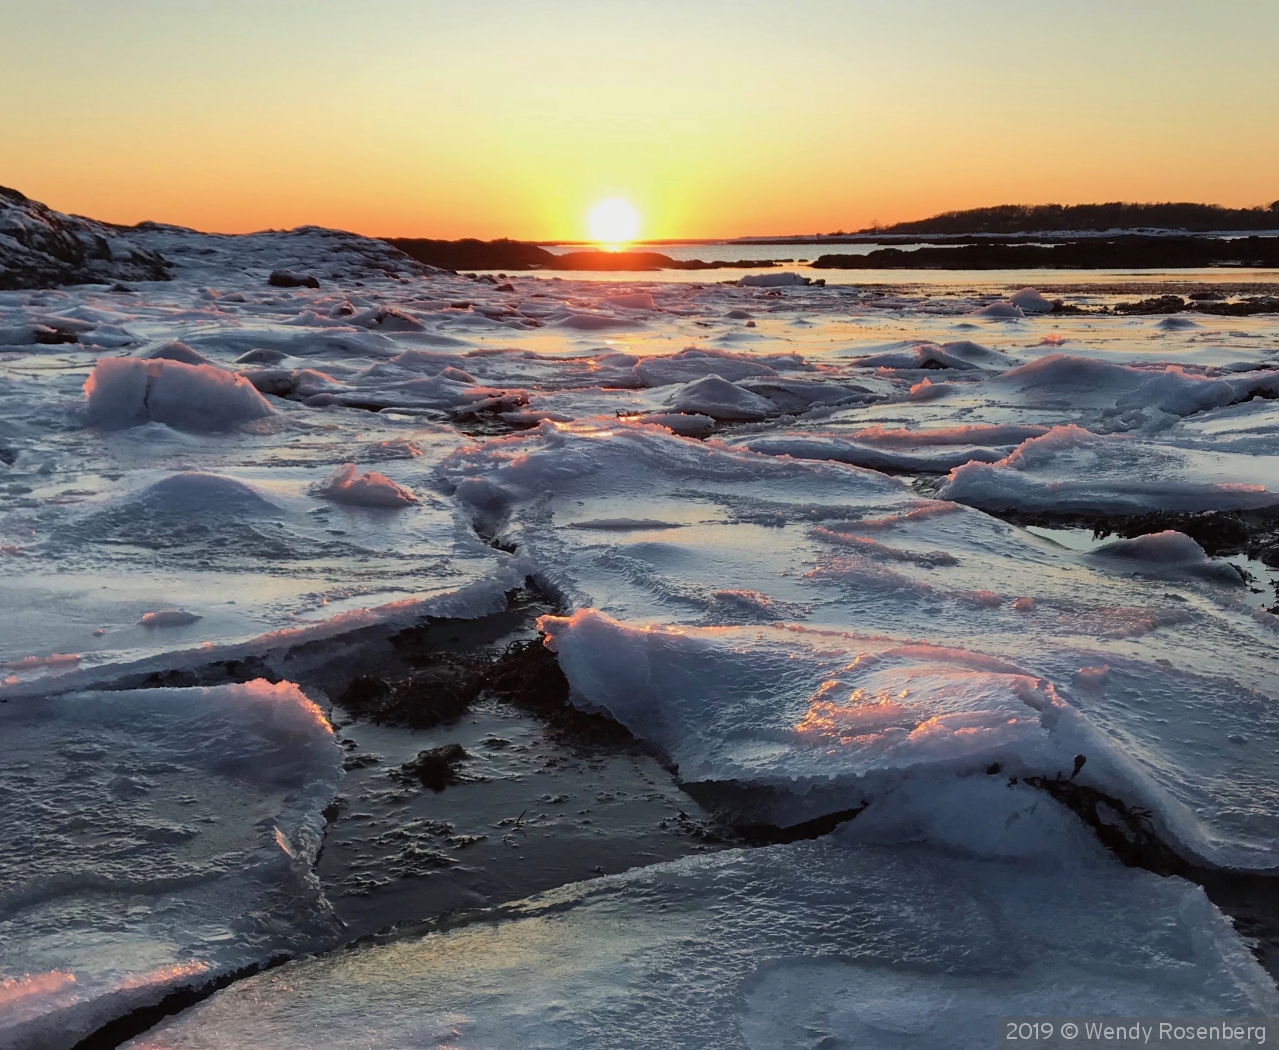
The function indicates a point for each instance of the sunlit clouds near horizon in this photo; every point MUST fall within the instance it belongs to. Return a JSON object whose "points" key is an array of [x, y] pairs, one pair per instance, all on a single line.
{"points": [[716, 118]]}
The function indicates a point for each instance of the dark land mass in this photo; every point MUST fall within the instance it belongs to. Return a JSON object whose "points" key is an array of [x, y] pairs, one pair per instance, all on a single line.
{"points": [[1023, 218], [1130, 251], [470, 254]]}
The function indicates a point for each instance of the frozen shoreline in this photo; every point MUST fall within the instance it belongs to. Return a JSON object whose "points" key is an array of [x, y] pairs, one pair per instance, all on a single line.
{"points": [[719, 488]]}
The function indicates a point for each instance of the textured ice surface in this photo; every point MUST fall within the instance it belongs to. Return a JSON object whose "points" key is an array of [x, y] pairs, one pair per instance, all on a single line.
{"points": [[1073, 470], [823, 943], [126, 392], [839, 720], [153, 839]]}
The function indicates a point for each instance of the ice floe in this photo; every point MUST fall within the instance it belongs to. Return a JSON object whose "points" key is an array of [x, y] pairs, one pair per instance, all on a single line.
{"points": [[182, 854], [816, 943]]}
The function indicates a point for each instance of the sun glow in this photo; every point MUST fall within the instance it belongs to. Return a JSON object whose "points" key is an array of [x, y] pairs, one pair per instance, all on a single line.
{"points": [[613, 223]]}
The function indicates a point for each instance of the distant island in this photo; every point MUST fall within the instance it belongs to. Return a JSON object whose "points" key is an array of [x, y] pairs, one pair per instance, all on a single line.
{"points": [[1125, 252], [1080, 218]]}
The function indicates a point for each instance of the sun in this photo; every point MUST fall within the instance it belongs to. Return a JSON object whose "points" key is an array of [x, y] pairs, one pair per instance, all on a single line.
{"points": [[613, 223]]}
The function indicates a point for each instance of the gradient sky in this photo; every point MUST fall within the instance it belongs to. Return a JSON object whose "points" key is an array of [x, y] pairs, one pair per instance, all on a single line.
{"points": [[716, 118]]}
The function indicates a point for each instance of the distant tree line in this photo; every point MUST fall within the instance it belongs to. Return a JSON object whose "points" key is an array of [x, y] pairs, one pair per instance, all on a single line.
{"points": [[1031, 218]]}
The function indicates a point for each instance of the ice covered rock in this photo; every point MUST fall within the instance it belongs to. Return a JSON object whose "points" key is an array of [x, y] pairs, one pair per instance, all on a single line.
{"points": [[169, 618], [1001, 310], [1030, 301], [1124, 395], [386, 319], [840, 709], [773, 280], [182, 854], [297, 383], [176, 351], [127, 392], [682, 423], [813, 944], [369, 489], [1166, 553], [34, 335], [292, 279], [828, 721], [721, 400], [799, 395]]}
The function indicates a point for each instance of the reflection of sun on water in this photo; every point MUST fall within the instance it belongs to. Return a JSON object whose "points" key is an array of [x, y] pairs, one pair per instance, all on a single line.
{"points": [[613, 223]]}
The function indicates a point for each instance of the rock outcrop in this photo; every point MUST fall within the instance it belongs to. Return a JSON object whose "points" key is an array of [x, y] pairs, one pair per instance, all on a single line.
{"points": [[42, 248]]}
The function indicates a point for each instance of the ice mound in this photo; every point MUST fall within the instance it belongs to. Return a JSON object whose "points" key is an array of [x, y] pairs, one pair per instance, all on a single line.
{"points": [[583, 321], [819, 943], [1085, 382], [695, 363], [773, 280], [176, 351], [934, 449], [1030, 301], [1071, 470], [127, 392], [261, 356], [182, 854], [1166, 553], [195, 493], [684, 424], [369, 489], [721, 400], [961, 355], [169, 618], [1002, 310]]}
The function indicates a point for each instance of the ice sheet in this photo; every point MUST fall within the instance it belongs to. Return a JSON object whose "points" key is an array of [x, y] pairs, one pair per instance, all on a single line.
{"points": [[835, 720], [821, 943], [151, 840]]}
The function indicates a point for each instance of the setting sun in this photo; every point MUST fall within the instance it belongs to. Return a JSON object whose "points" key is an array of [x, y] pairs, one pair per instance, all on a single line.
{"points": [[613, 222]]}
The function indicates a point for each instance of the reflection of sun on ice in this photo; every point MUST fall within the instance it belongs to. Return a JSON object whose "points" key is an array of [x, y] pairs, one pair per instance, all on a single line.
{"points": [[613, 223]]}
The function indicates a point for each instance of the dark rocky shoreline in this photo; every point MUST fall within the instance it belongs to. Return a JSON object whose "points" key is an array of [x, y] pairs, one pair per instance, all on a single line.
{"points": [[1130, 251]]}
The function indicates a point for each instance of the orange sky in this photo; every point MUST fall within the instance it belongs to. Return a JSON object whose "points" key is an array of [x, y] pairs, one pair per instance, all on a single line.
{"points": [[715, 118]]}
